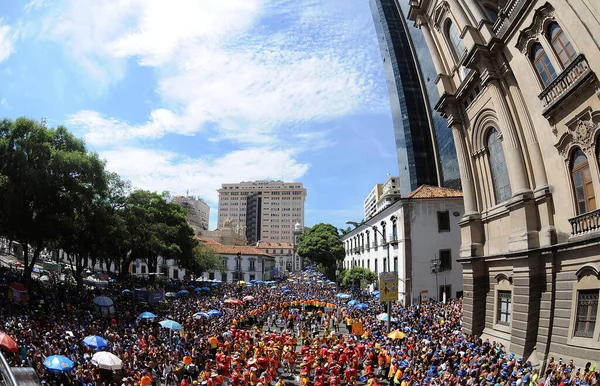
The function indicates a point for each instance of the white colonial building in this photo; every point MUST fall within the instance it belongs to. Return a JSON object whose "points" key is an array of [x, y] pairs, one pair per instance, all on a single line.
{"points": [[241, 262], [418, 237]]}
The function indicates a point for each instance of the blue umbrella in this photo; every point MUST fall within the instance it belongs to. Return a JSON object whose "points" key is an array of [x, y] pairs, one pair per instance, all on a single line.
{"points": [[214, 284], [375, 293], [285, 287], [361, 306], [201, 315], [287, 291], [58, 363], [343, 296], [214, 313], [171, 325], [205, 289], [146, 315], [198, 290], [183, 292], [352, 302], [95, 342], [249, 285], [127, 291]]}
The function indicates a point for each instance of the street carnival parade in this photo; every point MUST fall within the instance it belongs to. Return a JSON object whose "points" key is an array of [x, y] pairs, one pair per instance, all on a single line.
{"points": [[295, 331]]}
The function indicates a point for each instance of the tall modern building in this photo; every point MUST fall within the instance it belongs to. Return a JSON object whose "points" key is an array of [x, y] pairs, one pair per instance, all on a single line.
{"points": [[382, 196], [198, 211], [425, 147], [268, 210]]}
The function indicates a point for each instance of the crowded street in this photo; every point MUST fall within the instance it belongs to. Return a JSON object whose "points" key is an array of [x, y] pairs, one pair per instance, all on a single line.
{"points": [[297, 331]]}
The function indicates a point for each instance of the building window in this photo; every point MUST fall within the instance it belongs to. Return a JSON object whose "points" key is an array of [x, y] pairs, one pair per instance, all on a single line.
{"points": [[456, 42], [394, 230], [561, 44], [383, 237], [252, 265], [582, 183], [498, 168], [443, 221], [587, 308], [504, 307], [252, 277], [542, 64], [238, 265], [445, 260], [175, 274], [395, 264], [376, 268], [133, 268], [211, 276], [143, 269], [368, 240]]}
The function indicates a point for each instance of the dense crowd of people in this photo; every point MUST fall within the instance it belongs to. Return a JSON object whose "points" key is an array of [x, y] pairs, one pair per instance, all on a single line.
{"points": [[295, 331]]}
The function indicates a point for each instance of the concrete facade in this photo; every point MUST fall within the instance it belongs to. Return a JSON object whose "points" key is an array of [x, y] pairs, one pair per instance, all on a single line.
{"points": [[198, 211], [518, 86], [416, 242], [281, 207]]}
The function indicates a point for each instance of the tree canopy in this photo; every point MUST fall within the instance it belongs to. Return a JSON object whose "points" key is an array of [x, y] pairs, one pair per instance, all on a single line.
{"points": [[56, 194], [354, 276], [322, 245]]}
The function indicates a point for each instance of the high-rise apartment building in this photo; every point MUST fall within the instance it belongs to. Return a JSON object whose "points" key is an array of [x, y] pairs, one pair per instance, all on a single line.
{"points": [[518, 84], [198, 211], [424, 144], [267, 209], [382, 196]]}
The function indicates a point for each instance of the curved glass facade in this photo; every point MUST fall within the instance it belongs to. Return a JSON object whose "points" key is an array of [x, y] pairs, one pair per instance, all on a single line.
{"points": [[424, 143]]}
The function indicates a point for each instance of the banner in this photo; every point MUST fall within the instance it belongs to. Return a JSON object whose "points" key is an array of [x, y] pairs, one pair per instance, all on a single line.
{"points": [[357, 328], [388, 287]]}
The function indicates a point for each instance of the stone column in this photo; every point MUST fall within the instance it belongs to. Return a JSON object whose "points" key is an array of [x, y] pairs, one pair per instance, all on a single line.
{"points": [[510, 143], [475, 284], [526, 304], [459, 13], [433, 50], [535, 154], [464, 166], [471, 228], [476, 11]]}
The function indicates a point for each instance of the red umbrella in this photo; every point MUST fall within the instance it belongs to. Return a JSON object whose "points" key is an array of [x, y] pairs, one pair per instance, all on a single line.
{"points": [[7, 343]]}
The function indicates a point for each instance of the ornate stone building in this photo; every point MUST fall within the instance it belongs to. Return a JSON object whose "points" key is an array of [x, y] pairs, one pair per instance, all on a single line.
{"points": [[518, 86]]}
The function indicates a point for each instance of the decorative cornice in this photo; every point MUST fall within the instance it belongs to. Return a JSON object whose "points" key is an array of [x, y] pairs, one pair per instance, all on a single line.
{"points": [[530, 35]]}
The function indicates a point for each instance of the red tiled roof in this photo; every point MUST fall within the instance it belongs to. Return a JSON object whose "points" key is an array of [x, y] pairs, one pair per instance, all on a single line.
{"points": [[274, 245], [428, 191]]}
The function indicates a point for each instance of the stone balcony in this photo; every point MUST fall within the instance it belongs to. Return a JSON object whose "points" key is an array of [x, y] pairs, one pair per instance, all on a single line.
{"points": [[507, 16], [585, 224], [566, 83]]}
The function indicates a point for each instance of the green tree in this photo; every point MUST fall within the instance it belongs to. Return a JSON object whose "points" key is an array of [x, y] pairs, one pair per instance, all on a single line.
{"points": [[322, 245], [157, 228], [354, 276], [45, 174], [205, 259]]}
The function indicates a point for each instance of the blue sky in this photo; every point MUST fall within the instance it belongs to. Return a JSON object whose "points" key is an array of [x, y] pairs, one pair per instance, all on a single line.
{"points": [[185, 95]]}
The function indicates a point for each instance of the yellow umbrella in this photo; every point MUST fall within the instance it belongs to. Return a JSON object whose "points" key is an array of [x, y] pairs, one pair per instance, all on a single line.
{"points": [[396, 334], [242, 283]]}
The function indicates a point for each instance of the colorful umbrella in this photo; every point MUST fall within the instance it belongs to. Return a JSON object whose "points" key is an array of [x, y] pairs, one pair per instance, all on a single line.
{"points": [[248, 298], [58, 363], [200, 315], [214, 313], [343, 296], [352, 302], [95, 342], [361, 306], [127, 291], [7, 343], [396, 334], [170, 294]]}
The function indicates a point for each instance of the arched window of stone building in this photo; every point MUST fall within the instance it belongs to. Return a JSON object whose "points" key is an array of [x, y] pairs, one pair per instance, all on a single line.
{"points": [[582, 183], [456, 43], [500, 180], [561, 44], [542, 64]]}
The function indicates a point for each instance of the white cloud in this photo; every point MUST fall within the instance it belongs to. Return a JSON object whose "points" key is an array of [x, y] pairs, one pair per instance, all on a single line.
{"points": [[34, 5], [4, 103], [163, 170], [7, 40]]}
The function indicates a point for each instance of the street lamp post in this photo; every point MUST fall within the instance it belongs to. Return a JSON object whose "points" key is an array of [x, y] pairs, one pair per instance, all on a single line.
{"points": [[297, 232], [386, 268]]}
